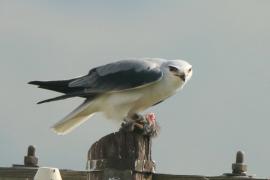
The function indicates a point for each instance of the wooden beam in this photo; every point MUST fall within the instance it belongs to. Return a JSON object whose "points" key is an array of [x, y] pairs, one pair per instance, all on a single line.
{"points": [[122, 155]]}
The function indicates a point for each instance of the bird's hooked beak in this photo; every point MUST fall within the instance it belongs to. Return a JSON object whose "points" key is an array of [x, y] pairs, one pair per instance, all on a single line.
{"points": [[175, 71], [182, 76]]}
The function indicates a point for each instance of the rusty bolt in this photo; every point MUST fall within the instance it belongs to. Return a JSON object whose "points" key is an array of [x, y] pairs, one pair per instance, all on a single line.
{"points": [[240, 157], [31, 151], [239, 168], [31, 160]]}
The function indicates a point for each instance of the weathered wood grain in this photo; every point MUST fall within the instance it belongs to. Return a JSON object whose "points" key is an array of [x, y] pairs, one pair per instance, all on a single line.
{"points": [[123, 155]]}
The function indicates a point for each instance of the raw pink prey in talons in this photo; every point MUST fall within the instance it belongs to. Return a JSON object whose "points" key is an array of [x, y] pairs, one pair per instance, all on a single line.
{"points": [[151, 118]]}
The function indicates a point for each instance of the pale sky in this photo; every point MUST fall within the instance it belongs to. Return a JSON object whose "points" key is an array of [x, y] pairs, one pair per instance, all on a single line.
{"points": [[223, 109]]}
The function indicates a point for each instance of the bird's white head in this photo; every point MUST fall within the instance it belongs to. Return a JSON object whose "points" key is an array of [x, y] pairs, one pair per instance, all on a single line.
{"points": [[179, 68]]}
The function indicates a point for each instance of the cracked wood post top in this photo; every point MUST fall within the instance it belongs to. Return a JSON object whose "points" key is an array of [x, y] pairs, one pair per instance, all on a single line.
{"points": [[124, 155]]}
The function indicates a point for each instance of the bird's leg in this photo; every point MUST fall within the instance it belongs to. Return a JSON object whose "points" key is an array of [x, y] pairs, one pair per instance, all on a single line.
{"points": [[131, 121], [145, 125]]}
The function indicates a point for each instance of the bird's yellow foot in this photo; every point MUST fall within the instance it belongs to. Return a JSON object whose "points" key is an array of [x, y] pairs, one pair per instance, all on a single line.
{"points": [[145, 125]]}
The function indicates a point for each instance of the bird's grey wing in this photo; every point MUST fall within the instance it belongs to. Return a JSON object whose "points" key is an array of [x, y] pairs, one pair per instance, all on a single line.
{"points": [[121, 75]]}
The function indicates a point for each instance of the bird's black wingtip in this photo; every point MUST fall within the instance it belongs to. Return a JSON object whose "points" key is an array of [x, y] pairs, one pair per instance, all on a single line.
{"points": [[40, 102], [33, 82], [44, 101]]}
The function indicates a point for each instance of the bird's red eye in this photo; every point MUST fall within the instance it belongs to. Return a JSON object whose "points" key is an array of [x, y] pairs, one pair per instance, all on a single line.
{"points": [[173, 69]]}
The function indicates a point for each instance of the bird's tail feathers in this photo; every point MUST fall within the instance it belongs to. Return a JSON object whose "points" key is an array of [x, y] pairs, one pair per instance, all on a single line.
{"points": [[75, 118], [69, 95], [59, 86]]}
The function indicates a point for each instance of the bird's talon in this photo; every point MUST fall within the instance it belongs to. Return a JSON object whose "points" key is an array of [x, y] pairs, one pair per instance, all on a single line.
{"points": [[145, 125]]}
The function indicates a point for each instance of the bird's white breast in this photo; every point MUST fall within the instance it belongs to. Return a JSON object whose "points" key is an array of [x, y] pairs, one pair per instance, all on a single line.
{"points": [[117, 105]]}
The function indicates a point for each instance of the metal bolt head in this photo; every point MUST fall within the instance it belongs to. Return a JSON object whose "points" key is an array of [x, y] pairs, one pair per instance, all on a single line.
{"points": [[31, 150], [239, 168], [31, 160], [240, 157]]}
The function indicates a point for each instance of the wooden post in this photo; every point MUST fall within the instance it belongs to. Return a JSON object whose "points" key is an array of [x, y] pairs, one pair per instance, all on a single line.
{"points": [[121, 156]]}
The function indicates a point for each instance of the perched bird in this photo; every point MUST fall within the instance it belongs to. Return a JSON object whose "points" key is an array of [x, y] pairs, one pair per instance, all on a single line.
{"points": [[120, 89]]}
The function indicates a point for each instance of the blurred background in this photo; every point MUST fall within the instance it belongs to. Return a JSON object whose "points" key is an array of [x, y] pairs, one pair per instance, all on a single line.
{"points": [[224, 108]]}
